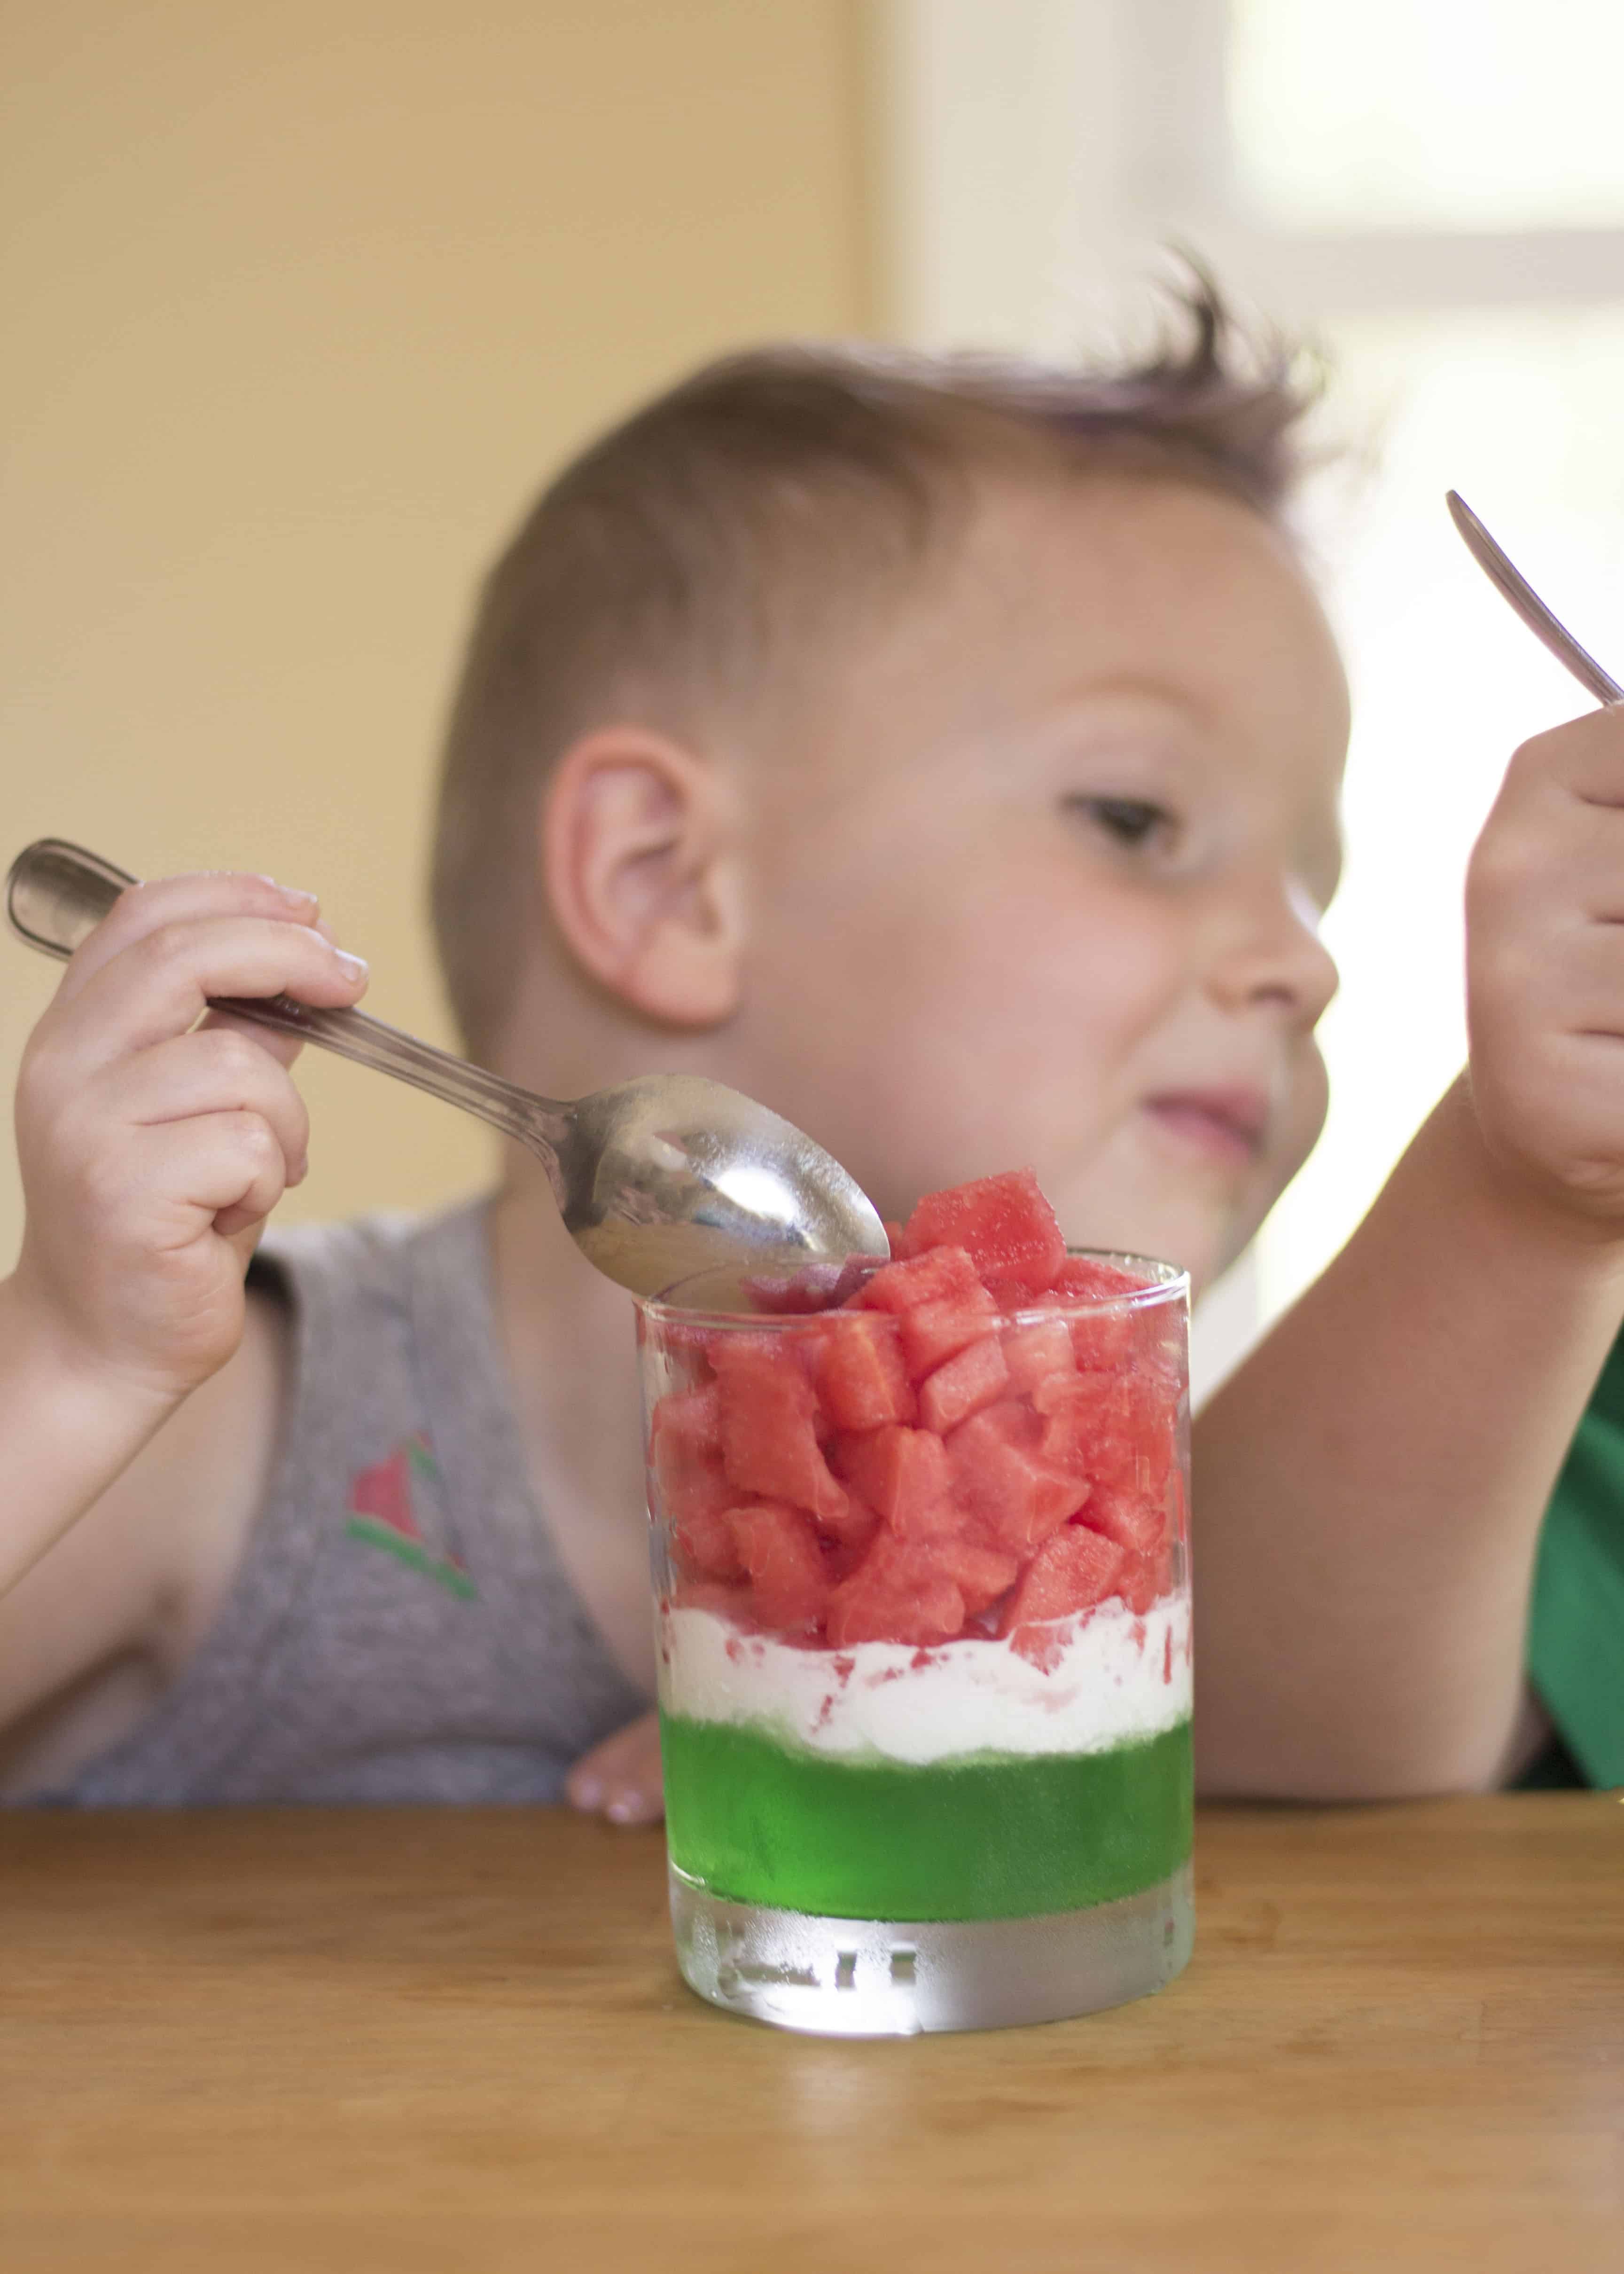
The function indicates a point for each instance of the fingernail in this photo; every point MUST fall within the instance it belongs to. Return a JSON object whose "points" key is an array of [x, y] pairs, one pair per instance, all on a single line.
{"points": [[355, 966], [301, 1173], [624, 1808], [587, 1792], [296, 899]]}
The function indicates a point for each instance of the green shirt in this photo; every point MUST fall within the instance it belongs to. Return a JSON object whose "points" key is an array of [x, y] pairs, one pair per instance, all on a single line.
{"points": [[1575, 1635]]}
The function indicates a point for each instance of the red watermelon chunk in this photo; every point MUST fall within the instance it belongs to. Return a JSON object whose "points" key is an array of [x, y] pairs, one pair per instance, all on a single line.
{"points": [[998, 1472], [981, 1574], [789, 1587], [1108, 1339], [911, 1452], [1005, 1225], [974, 1378], [901, 1475], [938, 1302], [1144, 1579], [1135, 1521], [858, 1374], [685, 1452], [897, 1594], [1070, 1573], [705, 1546], [1088, 1279], [1034, 1354], [769, 1442], [1116, 1429], [844, 1550]]}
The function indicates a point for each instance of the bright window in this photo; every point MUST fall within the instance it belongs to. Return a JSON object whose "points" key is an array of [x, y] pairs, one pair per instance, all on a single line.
{"points": [[1428, 114], [1519, 408]]}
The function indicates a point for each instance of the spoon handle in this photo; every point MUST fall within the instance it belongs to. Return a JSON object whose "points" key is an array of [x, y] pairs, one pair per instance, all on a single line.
{"points": [[1514, 588], [57, 894]]}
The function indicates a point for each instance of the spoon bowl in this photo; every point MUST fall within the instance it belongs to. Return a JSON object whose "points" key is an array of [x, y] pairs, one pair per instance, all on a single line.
{"points": [[655, 1178]]}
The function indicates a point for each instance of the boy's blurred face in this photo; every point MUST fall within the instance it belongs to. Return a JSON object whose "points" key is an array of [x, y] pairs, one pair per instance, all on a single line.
{"points": [[1036, 868]]}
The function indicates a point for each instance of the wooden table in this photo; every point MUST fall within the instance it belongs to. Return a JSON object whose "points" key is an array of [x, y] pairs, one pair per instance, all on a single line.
{"points": [[434, 2040]]}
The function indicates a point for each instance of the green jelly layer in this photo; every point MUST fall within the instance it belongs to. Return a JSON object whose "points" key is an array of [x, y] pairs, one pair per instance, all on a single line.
{"points": [[995, 1836]]}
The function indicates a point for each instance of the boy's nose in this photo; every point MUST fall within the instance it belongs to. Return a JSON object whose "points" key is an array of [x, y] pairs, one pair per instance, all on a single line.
{"points": [[1274, 956]]}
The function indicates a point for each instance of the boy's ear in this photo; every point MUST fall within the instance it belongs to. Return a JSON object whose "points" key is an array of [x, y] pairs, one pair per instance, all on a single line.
{"points": [[640, 858]]}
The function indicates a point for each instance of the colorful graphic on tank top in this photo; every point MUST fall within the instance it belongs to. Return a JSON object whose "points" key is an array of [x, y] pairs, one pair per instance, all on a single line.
{"points": [[395, 1505]]}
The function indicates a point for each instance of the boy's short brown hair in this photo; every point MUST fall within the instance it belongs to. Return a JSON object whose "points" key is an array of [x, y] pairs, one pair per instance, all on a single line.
{"points": [[660, 572]]}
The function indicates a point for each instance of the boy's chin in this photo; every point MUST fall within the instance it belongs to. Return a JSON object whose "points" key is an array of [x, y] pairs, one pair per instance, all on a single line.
{"points": [[1205, 1247]]}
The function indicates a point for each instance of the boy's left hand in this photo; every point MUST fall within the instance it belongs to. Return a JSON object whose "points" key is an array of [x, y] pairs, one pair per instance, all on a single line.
{"points": [[620, 1778], [1544, 936]]}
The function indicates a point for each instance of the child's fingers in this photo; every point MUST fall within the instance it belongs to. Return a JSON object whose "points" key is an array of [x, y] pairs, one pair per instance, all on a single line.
{"points": [[160, 986], [144, 908], [620, 1778], [226, 1170], [284, 1047], [1585, 756], [212, 1070]]}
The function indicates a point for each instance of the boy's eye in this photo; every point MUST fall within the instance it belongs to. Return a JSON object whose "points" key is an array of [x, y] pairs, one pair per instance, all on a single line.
{"points": [[1128, 820]]}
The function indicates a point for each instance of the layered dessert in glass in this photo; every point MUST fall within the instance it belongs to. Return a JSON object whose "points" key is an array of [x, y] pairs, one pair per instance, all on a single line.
{"points": [[921, 1558]]}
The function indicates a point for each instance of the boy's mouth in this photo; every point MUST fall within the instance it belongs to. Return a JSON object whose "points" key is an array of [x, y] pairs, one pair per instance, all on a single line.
{"points": [[1222, 1125]]}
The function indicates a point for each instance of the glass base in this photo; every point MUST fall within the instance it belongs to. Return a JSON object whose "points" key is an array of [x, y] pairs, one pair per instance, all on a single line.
{"points": [[893, 1978]]}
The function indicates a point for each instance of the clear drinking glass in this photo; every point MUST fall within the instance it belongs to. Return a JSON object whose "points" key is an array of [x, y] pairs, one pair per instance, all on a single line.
{"points": [[931, 1771]]}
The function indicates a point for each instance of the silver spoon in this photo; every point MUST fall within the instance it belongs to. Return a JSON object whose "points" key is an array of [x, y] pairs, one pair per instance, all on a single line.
{"points": [[655, 1178], [1516, 588]]}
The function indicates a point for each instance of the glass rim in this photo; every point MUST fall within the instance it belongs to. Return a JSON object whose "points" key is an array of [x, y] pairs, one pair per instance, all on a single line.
{"points": [[1165, 1282]]}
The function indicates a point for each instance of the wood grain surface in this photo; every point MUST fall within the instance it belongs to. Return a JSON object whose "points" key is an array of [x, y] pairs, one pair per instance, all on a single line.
{"points": [[413, 2040]]}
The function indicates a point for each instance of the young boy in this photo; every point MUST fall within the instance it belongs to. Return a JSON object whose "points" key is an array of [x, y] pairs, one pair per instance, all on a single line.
{"points": [[948, 756]]}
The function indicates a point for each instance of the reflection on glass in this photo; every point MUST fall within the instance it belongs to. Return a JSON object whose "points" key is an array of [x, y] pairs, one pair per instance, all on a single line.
{"points": [[1428, 114]]}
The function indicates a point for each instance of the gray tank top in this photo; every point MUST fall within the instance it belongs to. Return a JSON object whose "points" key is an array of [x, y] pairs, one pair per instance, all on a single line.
{"points": [[400, 1628]]}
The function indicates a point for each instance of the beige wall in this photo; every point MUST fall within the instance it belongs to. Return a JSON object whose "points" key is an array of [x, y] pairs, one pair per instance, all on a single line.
{"points": [[299, 303]]}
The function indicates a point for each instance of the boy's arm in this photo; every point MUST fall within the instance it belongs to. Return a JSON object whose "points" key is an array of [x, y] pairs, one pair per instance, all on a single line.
{"points": [[1370, 1485], [154, 1138], [122, 1599]]}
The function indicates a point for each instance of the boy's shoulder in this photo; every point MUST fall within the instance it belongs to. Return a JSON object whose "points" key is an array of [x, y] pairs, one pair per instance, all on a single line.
{"points": [[379, 1258]]}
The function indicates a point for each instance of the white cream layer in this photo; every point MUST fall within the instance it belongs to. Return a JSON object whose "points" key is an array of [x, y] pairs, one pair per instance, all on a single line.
{"points": [[1114, 1676]]}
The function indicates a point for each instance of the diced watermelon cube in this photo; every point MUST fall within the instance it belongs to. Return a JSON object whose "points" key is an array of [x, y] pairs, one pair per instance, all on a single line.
{"points": [[1004, 1223], [1085, 1425], [976, 1377], [1135, 1521], [768, 1439], [1070, 1573], [685, 1453], [945, 1274], [843, 1551], [981, 1574], [1035, 1352], [1106, 1340], [1116, 1429], [1143, 1579], [789, 1587], [703, 1543], [1090, 1279], [902, 1475], [896, 1594], [938, 1303], [858, 1374], [998, 1472]]}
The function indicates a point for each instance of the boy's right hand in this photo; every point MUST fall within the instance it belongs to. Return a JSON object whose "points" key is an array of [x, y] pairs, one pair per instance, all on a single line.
{"points": [[153, 1147]]}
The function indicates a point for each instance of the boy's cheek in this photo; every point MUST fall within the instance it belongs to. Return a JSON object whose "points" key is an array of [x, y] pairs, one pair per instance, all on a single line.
{"points": [[1303, 1121]]}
